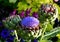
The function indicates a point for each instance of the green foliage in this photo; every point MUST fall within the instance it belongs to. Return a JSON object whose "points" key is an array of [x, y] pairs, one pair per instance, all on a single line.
{"points": [[9, 3], [11, 21], [57, 8], [49, 27], [23, 5], [52, 33], [58, 40], [45, 40], [35, 5]]}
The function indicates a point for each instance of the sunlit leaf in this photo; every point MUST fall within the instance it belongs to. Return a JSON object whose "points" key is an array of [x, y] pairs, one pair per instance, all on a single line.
{"points": [[49, 27], [45, 40]]}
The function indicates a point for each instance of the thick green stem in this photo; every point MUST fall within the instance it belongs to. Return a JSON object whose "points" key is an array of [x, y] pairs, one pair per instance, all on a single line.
{"points": [[16, 38], [43, 31]]}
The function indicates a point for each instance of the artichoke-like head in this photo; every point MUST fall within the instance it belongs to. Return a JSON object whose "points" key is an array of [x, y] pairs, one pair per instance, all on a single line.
{"points": [[11, 21], [30, 28], [48, 12]]}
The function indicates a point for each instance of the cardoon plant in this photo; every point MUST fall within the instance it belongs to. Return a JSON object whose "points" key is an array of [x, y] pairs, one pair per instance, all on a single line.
{"points": [[12, 21], [33, 24], [30, 28], [48, 12]]}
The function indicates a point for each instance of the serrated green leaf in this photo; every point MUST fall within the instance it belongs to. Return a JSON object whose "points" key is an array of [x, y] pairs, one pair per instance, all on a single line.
{"points": [[34, 9], [22, 6]]}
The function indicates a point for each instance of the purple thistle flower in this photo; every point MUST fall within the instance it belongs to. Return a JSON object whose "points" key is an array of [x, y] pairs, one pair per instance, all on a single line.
{"points": [[28, 12], [10, 38], [35, 14], [5, 33], [22, 14], [30, 22]]}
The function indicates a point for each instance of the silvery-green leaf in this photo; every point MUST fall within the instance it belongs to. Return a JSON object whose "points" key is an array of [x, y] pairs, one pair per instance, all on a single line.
{"points": [[52, 33]]}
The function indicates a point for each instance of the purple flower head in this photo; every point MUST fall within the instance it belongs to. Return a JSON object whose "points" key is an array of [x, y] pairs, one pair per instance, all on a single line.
{"points": [[47, 8], [5, 33], [35, 14], [30, 22], [22, 14], [10, 38], [28, 12]]}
